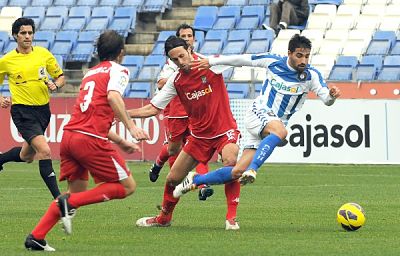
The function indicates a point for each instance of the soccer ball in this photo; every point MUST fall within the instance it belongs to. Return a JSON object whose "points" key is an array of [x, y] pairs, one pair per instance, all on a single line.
{"points": [[351, 216]]}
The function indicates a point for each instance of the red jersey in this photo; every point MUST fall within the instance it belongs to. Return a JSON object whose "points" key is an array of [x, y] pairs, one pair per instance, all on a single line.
{"points": [[203, 95], [92, 113]]}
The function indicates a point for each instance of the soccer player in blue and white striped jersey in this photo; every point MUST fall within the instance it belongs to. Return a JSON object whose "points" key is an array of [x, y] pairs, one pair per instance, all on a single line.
{"points": [[287, 83]]}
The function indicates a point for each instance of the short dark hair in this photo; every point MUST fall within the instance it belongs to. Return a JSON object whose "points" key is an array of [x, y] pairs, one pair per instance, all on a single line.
{"points": [[109, 45], [184, 26], [298, 41], [174, 42], [16, 26]]}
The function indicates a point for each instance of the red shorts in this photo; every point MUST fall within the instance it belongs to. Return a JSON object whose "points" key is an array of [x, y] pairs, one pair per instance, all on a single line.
{"points": [[177, 129], [82, 153], [203, 149]]}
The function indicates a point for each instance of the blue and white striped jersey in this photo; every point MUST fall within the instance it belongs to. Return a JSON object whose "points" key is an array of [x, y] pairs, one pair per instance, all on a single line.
{"points": [[284, 90]]}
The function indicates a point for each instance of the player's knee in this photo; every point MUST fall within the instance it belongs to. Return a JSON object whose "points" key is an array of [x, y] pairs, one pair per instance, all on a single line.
{"points": [[130, 188], [44, 153], [172, 181]]}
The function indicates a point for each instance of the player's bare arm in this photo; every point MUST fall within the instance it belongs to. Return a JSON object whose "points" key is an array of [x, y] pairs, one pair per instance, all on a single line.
{"points": [[117, 104], [124, 145], [5, 102], [143, 112], [161, 83]]}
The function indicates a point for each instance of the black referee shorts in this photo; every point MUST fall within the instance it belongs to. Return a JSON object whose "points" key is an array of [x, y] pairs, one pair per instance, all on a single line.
{"points": [[30, 121]]}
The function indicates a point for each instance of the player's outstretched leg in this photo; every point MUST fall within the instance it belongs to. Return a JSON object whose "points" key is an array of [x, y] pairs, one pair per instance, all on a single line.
{"points": [[67, 213], [34, 244], [248, 177]]}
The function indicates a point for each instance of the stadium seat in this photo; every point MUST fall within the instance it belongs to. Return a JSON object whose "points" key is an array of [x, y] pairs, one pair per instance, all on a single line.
{"points": [[251, 17], [11, 11], [227, 73], [136, 3], [57, 11], [237, 42], [1, 48], [110, 2], [134, 64], [341, 73], [71, 36], [82, 52], [77, 18], [88, 36], [3, 3], [127, 12], [323, 63], [316, 36], [381, 43], [20, 3], [205, 17], [368, 68], [53, 23], [60, 60], [199, 39], [214, 42], [396, 48], [62, 47], [139, 90], [68, 3], [227, 17], [238, 90], [261, 41], [347, 60], [157, 6], [257, 88], [45, 3], [389, 73], [87, 3], [37, 13], [158, 48], [237, 2], [4, 39], [151, 67], [12, 45], [260, 2], [48, 36]]}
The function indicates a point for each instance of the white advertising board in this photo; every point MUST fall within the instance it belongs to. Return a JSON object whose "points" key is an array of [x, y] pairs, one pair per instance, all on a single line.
{"points": [[350, 131]]}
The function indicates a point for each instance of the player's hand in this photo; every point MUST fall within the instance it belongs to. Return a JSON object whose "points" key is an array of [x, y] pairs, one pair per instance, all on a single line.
{"points": [[200, 64], [5, 102], [129, 147], [334, 92], [139, 134], [52, 86]]}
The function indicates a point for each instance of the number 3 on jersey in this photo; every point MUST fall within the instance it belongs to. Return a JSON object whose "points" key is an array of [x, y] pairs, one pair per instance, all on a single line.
{"points": [[89, 87]]}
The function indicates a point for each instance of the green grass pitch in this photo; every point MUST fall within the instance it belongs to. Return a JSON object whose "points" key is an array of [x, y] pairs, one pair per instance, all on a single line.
{"points": [[289, 210]]}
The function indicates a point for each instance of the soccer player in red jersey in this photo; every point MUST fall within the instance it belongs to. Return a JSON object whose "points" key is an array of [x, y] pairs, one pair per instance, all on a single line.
{"points": [[203, 95], [85, 146], [176, 121]]}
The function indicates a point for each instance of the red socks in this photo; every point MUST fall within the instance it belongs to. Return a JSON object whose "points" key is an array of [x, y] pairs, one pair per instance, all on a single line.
{"points": [[168, 205], [163, 156], [232, 192]]}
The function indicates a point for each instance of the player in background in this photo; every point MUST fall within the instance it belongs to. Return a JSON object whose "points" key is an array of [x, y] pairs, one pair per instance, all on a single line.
{"points": [[287, 84], [27, 68], [213, 129], [176, 120], [85, 146]]}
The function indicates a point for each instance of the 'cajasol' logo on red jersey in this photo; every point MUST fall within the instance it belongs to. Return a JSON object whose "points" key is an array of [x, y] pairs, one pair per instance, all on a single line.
{"points": [[197, 94]]}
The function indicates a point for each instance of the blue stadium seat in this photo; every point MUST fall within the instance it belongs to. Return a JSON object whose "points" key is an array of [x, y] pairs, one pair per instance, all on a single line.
{"points": [[227, 73], [71, 36], [237, 2], [389, 73], [1, 48], [47, 36], [139, 90], [157, 6], [62, 47], [347, 60], [88, 36], [4, 39], [60, 11], [98, 24], [205, 17], [87, 2], [3, 3], [110, 2], [134, 63], [214, 42], [137, 3], [251, 17], [227, 17], [261, 41], [199, 37], [124, 20], [127, 11], [103, 11], [45, 3], [158, 48], [68, 3], [37, 13], [77, 18], [53, 23], [391, 60], [20, 3], [341, 73], [368, 68], [82, 52], [259, 2], [237, 42], [257, 89], [151, 67], [12, 45], [381, 43], [396, 48], [237, 90]]}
